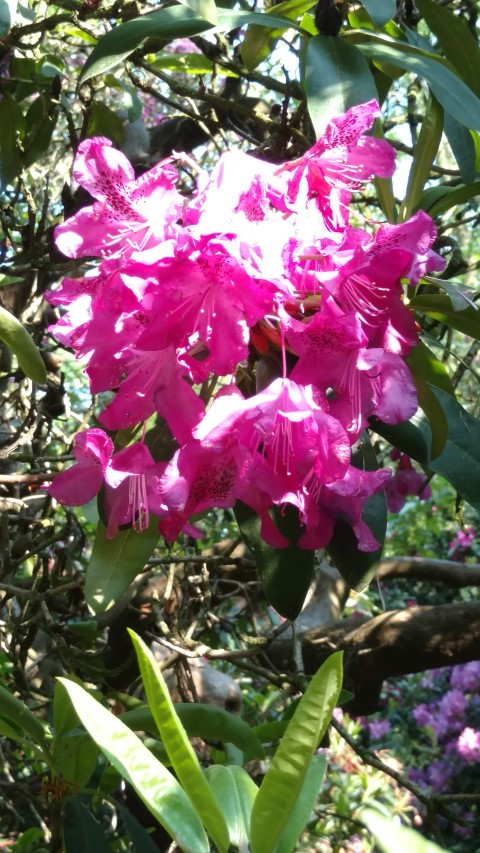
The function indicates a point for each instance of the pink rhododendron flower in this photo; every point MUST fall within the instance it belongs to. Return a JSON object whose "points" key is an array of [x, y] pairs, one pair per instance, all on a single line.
{"points": [[129, 213], [405, 481], [80, 483], [260, 267]]}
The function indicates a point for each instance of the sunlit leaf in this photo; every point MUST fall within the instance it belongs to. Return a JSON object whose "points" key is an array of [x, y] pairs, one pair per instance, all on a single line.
{"points": [[304, 805], [438, 200], [427, 371], [456, 40], [451, 92], [170, 23], [380, 11], [154, 784], [425, 152], [235, 792], [180, 751], [394, 838], [337, 77], [17, 339], [284, 780]]}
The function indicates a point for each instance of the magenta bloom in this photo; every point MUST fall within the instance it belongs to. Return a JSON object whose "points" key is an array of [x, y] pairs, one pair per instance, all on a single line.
{"points": [[405, 481], [129, 213], [80, 483], [339, 162]]}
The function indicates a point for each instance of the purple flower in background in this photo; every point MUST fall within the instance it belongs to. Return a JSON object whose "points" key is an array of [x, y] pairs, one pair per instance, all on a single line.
{"points": [[452, 706], [468, 744], [466, 677], [422, 715], [378, 729], [439, 774], [461, 543]]}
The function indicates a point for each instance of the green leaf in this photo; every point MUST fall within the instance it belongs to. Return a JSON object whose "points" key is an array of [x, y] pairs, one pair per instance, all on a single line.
{"points": [[459, 462], [337, 77], [16, 337], [235, 793], [456, 41], [205, 721], [40, 122], [462, 143], [358, 567], [407, 437], [438, 200], [427, 371], [426, 150], [384, 186], [380, 11], [439, 306], [81, 831], [154, 784], [259, 41], [8, 10], [304, 805], [450, 90], [140, 839], [170, 23], [74, 758], [461, 296], [16, 711], [65, 718], [284, 780], [114, 563], [285, 587], [205, 9], [180, 751], [393, 838], [105, 122], [12, 126]]}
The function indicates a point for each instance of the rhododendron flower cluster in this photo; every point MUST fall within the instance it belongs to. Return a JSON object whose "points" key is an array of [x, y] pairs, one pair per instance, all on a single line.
{"points": [[262, 266]]}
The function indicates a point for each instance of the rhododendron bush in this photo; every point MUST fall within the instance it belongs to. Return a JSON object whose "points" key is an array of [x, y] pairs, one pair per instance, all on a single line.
{"points": [[262, 274]]}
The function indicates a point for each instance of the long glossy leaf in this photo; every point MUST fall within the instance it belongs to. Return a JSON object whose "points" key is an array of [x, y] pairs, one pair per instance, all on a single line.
{"points": [[81, 831], [450, 90], [425, 152], [74, 758], [304, 805], [462, 143], [16, 337], [180, 751], [285, 589], [16, 711], [456, 40], [235, 792], [170, 23], [358, 567], [380, 11], [259, 41], [427, 371], [154, 784], [407, 437], [459, 463], [140, 839], [438, 200], [205, 721], [205, 9], [114, 563], [439, 306], [337, 77], [8, 9], [284, 780], [393, 838]]}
